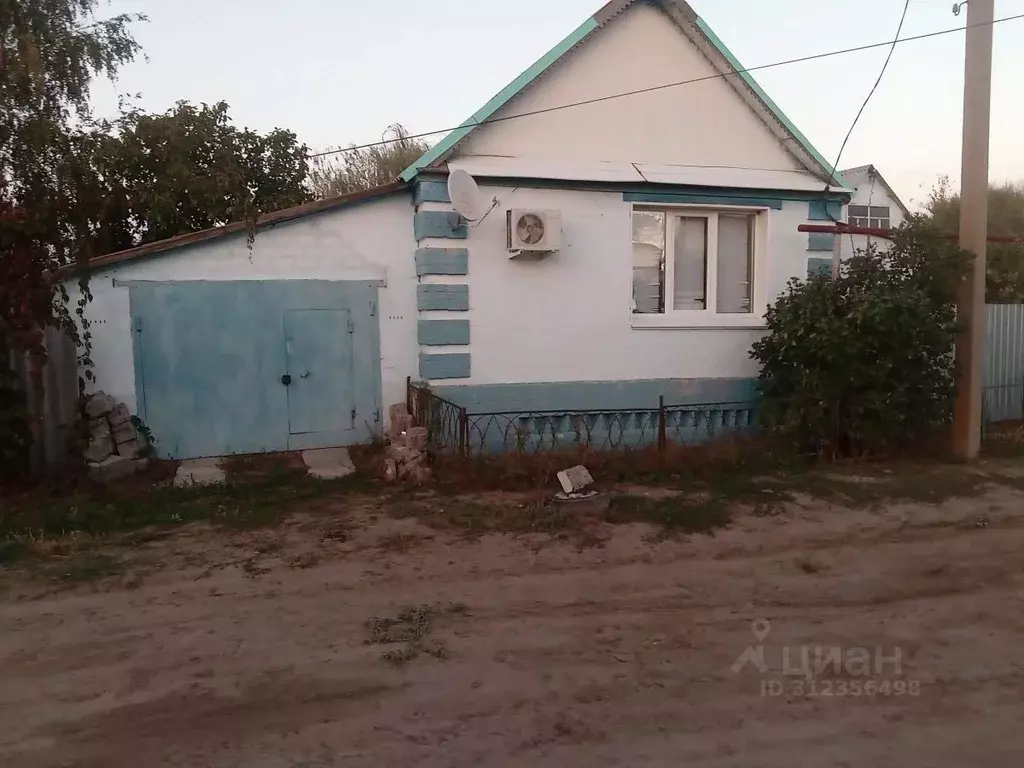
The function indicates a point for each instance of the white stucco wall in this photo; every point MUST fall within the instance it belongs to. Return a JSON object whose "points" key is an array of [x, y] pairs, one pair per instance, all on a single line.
{"points": [[371, 241], [567, 316], [702, 123]]}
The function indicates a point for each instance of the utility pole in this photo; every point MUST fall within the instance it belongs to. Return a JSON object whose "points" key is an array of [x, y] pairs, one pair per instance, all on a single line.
{"points": [[967, 410]]}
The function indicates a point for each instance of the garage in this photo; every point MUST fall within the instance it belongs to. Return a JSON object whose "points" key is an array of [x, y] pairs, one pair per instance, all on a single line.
{"points": [[251, 366]]}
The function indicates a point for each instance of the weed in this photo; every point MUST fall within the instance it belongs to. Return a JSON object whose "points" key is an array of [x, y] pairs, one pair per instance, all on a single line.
{"points": [[399, 543], [12, 551], [303, 561], [700, 514], [87, 566], [252, 569], [410, 626]]}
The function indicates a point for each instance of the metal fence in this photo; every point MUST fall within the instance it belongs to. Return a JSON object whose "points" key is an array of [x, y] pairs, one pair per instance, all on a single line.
{"points": [[451, 428], [1003, 371]]}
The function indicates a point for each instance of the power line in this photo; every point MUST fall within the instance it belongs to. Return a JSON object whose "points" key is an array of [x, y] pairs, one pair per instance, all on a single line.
{"points": [[885, 65], [849, 133], [799, 60]]}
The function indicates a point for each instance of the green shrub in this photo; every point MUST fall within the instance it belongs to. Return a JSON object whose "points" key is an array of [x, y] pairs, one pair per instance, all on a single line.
{"points": [[864, 363]]}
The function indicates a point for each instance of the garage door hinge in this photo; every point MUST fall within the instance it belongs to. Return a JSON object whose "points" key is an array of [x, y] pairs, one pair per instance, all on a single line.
{"points": [[376, 415], [138, 325], [373, 308], [351, 326]]}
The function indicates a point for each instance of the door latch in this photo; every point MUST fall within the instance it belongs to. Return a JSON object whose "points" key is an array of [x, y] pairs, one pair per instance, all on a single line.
{"points": [[286, 379]]}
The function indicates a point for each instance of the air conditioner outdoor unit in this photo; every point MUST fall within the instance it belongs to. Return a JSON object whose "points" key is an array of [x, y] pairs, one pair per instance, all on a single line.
{"points": [[533, 231]]}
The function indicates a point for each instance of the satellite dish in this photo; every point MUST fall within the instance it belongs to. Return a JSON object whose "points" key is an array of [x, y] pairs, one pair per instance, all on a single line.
{"points": [[466, 196]]}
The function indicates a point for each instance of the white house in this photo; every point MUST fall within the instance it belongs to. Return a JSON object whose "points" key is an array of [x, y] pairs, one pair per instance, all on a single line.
{"points": [[873, 204], [665, 187]]}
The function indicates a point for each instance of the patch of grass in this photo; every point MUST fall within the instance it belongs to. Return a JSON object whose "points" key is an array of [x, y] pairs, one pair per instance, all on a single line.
{"points": [[13, 551], [399, 543], [303, 561], [262, 499], [87, 566], [701, 514], [410, 627]]}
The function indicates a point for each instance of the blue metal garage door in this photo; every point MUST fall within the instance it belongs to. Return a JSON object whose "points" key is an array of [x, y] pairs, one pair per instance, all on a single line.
{"points": [[250, 366]]}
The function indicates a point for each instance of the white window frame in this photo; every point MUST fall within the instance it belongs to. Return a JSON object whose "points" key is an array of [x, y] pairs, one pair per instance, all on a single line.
{"points": [[875, 222], [707, 317]]}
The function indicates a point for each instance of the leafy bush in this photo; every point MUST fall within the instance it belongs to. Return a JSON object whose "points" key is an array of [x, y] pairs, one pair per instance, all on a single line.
{"points": [[864, 363]]}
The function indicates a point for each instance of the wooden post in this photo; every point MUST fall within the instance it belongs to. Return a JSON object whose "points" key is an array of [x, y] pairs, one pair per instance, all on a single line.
{"points": [[973, 228]]}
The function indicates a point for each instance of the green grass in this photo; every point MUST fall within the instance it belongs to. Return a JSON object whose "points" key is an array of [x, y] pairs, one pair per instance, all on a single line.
{"points": [[260, 501]]}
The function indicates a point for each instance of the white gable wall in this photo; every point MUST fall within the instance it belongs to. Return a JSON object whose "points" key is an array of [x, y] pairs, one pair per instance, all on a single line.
{"points": [[703, 123], [369, 241], [868, 190]]}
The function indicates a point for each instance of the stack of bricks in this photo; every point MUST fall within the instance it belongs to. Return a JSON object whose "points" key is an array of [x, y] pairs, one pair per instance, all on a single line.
{"points": [[406, 453]]}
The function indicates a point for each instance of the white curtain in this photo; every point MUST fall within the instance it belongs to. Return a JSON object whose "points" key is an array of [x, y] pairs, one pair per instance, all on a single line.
{"points": [[690, 262], [735, 263]]}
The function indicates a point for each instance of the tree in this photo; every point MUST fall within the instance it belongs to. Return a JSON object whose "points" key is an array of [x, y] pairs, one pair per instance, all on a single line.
{"points": [[864, 363], [1005, 261], [353, 169], [50, 50], [188, 169]]}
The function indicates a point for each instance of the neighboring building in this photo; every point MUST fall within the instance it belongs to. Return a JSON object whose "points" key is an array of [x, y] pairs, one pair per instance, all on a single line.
{"points": [[874, 204], [671, 217]]}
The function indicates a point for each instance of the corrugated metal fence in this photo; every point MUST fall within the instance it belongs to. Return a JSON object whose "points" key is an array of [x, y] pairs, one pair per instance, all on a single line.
{"points": [[1003, 374]]}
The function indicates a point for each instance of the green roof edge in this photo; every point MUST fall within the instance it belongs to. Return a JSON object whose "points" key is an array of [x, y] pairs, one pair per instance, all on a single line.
{"points": [[506, 94], [779, 114]]}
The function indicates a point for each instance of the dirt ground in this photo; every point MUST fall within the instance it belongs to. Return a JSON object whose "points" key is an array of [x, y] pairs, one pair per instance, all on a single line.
{"points": [[273, 648]]}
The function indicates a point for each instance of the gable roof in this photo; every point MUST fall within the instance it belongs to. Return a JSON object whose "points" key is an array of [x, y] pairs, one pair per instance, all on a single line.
{"points": [[873, 172], [701, 35], [235, 227]]}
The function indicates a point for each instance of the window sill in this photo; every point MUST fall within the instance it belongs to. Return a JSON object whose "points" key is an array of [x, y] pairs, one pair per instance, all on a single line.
{"points": [[706, 323]]}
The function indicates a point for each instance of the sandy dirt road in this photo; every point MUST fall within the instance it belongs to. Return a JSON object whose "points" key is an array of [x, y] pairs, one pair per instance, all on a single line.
{"points": [[251, 649]]}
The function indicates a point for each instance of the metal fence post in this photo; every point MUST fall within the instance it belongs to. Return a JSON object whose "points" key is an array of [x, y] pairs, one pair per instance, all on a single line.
{"points": [[408, 394], [662, 436], [463, 432]]}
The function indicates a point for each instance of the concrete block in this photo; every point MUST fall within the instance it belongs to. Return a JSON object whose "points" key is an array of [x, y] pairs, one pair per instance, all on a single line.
{"points": [[328, 463], [98, 405], [196, 472], [99, 449], [118, 415], [575, 479], [416, 437], [406, 456], [99, 428], [130, 448], [125, 432], [390, 470], [112, 468]]}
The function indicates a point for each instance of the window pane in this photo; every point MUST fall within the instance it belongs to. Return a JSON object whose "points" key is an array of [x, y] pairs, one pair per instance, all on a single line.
{"points": [[735, 263], [859, 222], [880, 211], [859, 210], [690, 262], [648, 262]]}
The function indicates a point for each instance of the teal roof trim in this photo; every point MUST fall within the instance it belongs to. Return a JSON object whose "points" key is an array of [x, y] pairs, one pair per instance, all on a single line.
{"points": [[504, 96], [779, 114]]}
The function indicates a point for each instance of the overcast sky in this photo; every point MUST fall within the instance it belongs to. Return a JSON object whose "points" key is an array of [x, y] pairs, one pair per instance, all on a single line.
{"points": [[339, 71]]}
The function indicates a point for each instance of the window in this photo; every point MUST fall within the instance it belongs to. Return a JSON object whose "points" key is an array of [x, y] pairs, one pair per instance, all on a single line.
{"points": [[876, 216], [693, 261]]}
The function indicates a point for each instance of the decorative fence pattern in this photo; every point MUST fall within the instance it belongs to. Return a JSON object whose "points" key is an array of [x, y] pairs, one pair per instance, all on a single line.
{"points": [[452, 429]]}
